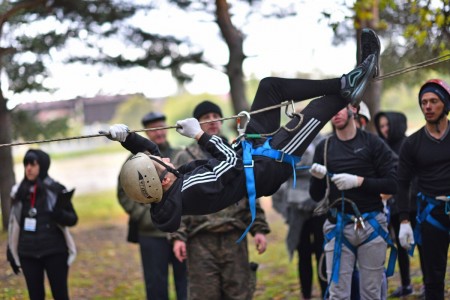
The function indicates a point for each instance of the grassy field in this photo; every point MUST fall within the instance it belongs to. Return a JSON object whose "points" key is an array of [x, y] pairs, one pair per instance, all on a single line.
{"points": [[107, 267]]}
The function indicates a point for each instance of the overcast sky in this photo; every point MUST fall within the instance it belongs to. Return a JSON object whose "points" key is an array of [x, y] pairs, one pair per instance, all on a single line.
{"points": [[283, 47]]}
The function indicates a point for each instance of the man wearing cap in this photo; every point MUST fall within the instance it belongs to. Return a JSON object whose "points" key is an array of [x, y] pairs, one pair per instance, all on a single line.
{"points": [[151, 240], [200, 240], [425, 154]]}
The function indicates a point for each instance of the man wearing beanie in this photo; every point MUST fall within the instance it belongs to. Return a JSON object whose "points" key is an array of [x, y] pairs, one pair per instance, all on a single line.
{"points": [[151, 240], [425, 155], [200, 239]]}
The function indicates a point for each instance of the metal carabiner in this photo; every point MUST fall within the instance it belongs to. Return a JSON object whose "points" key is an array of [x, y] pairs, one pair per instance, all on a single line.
{"points": [[287, 112], [241, 130]]}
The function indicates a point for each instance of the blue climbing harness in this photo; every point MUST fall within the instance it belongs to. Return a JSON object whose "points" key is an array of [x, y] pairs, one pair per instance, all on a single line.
{"points": [[342, 220], [425, 215], [247, 158]]}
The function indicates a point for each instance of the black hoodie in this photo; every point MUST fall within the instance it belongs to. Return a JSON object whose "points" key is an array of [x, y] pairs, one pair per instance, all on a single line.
{"points": [[396, 137], [397, 129], [47, 238]]}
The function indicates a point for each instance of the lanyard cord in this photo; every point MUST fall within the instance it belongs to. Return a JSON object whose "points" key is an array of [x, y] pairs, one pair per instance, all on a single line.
{"points": [[33, 196]]}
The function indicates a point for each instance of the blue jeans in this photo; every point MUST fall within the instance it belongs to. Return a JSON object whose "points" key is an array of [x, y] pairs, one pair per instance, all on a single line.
{"points": [[157, 255]]}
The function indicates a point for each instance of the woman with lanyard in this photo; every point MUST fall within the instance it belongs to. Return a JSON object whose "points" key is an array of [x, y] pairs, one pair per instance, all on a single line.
{"points": [[38, 239]]}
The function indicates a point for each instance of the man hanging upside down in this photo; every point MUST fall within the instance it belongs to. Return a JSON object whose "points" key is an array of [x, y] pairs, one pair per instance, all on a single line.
{"points": [[173, 193]]}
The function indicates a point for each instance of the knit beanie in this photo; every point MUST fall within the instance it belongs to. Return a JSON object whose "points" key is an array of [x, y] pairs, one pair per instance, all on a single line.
{"points": [[437, 90], [206, 107]]}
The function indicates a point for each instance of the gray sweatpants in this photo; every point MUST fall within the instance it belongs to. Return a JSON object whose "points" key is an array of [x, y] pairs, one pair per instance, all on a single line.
{"points": [[370, 257]]}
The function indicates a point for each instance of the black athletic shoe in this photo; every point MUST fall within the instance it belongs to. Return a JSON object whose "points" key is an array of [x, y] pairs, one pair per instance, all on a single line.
{"points": [[370, 44], [355, 83], [401, 291]]}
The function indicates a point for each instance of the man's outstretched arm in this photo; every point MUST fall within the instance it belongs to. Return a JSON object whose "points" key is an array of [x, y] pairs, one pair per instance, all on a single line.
{"points": [[131, 141]]}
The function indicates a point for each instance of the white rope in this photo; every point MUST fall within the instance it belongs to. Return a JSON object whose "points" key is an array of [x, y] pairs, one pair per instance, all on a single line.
{"points": [[388, 75], [138, 130]]}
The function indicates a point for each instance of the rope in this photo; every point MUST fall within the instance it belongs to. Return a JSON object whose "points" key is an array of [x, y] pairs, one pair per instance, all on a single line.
{"points": [[415, 67], [285, 103]]}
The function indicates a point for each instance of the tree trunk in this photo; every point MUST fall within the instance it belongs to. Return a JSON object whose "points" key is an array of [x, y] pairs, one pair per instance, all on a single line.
{"points": [[7, 178], [234, 40]]}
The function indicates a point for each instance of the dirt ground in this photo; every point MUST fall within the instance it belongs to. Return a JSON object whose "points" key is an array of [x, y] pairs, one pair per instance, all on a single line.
{"points": [[111, 239], [118, 263]]}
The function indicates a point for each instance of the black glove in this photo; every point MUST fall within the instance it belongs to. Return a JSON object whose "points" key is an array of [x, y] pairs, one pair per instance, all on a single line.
{"points": [[12, 262]]}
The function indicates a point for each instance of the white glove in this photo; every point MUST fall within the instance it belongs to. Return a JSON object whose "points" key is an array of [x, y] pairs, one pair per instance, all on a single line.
{"points": [[406, 235], [189, 127], [344, 181], [318, 171], [119, 132]]}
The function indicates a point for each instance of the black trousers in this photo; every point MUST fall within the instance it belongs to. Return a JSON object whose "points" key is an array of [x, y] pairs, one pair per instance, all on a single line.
{"points": [[435, 244], [57, 270], [157, 256], [295, 139], [311, 243]]}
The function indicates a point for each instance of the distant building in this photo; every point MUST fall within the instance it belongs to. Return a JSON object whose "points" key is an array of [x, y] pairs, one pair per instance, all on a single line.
{"points": [[93, 114], [89, 111]]}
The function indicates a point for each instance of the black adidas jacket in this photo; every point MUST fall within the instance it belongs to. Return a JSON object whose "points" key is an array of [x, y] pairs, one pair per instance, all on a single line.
{"points": [[221, 179]]}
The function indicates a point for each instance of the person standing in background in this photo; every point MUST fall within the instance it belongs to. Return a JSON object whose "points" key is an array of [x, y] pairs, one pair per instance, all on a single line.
{"points": [[391, 127], [304, 229], [155, 248], [208, 243], [425, 155], [39, 241], [353, 168]]}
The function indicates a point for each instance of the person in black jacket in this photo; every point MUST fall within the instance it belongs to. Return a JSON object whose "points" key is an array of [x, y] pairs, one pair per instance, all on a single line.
{"points": [[174, 193], [391, 127], [352, 168], [425, 155], [38, 238]]}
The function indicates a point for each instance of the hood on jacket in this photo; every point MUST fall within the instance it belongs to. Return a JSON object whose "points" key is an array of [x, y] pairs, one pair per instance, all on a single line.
{"points": [[42, 158], [397, 128]]}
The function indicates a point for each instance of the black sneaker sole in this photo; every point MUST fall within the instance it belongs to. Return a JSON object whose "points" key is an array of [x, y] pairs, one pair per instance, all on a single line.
{"points": [[370, 44]]}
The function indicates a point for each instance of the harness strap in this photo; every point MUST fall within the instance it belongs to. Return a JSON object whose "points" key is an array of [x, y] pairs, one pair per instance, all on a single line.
{"points": [[247, 159], [337, 233], [250, 183], [379, 231], [425, 215], [267, 151]]}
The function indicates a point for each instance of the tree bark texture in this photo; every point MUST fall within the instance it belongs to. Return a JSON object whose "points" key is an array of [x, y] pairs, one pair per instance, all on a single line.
{"points": [[7, 177], [234, 40]]}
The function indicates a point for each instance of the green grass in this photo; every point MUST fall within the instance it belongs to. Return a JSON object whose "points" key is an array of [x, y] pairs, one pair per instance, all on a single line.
{"points": [[103, 258], [97, 207]]}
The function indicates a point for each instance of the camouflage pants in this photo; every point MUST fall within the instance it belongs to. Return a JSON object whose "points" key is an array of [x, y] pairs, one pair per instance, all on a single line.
{"points": [[218, 267]]}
